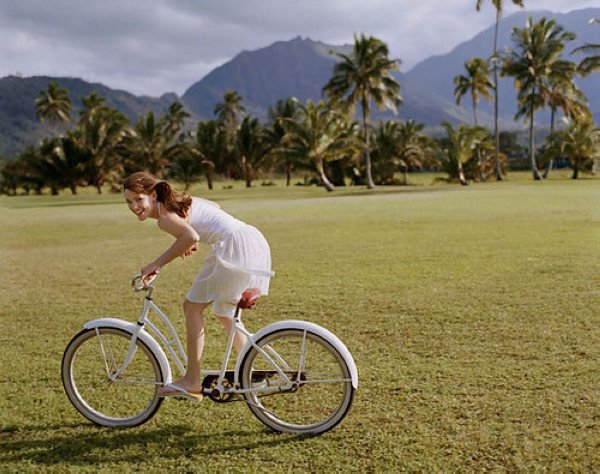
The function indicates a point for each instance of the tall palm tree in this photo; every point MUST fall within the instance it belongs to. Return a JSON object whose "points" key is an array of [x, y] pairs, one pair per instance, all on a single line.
{"points": [[538, 52], [499, 6], [53, 104], [230, 109], [320, 135], [363, 76], [476, 82]]}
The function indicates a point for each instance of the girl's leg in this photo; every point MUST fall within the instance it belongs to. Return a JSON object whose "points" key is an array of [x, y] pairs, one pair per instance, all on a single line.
{"points": [[194, 325], [239, 340]]}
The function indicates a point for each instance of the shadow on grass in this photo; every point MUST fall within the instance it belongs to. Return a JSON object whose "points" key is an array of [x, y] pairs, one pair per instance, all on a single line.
{"points": [[83, 444]]}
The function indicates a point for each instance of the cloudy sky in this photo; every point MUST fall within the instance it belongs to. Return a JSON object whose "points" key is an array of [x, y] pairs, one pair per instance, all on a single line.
{"points": [[156, 46]]}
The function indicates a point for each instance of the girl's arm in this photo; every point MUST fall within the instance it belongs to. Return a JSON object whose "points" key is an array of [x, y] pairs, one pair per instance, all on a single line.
{"points": [[186, 239]]}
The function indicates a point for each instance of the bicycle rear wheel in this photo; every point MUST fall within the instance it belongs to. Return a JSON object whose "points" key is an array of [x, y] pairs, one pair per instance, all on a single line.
{"points": [[322, 392], [89, 361]]}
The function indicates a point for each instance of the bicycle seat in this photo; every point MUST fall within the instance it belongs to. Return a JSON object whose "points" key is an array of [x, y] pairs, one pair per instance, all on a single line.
{"points": [[249, 298]]}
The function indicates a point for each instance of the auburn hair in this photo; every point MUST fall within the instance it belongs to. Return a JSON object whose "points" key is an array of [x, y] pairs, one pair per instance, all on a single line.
{"points": [[145, 183]]}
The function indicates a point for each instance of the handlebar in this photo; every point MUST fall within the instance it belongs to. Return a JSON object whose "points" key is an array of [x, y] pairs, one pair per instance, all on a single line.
{"points": [[138, 285]]}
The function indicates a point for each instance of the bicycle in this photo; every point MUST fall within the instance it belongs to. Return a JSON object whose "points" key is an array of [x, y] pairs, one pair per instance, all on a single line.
{"points": [[294, 376]]}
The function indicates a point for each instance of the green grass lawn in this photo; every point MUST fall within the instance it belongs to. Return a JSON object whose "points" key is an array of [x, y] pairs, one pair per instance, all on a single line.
{"points": [[472, 314]]}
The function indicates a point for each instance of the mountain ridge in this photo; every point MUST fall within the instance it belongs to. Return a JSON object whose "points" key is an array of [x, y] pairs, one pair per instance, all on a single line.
{"points": [[298, 67]]}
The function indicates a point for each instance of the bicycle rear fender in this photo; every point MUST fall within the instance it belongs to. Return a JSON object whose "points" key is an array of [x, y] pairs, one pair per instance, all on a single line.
{"points": [[142, 334], [311, 327]]}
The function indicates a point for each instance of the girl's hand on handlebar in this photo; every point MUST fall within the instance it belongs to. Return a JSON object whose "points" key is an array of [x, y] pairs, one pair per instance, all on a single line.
{"points": [[149, 272]]}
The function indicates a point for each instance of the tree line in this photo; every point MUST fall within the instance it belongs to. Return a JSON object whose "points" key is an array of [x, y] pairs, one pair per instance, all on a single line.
{"points": [[334, 138]]}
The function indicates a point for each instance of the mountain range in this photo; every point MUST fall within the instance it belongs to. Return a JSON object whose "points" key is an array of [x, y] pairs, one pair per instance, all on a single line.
{"points": [[300, 68]]}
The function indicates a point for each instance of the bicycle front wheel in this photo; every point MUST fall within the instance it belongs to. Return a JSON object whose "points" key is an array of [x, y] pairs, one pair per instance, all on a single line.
{"points": [[89, 367], [302, 382]]}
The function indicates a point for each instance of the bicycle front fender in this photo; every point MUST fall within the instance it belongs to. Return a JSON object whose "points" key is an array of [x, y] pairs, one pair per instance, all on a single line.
{"points": [[304, 326], [143, 335]]}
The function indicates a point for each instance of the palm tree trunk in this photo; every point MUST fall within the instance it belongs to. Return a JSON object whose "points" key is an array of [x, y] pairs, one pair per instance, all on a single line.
{"points": [[551, 160], [575, 168], [461, 175], [370, 183], [209, 180], [536, 173], [496, 129], [288, 172], [323, 176], [475, 112], [248, 174], [476, 123]]}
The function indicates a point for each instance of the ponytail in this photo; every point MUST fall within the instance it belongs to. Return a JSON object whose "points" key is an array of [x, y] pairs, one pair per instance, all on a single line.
{"points": [[142, 182], [174, 202]]}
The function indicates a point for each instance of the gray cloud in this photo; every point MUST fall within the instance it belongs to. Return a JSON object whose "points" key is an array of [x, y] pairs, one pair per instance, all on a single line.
{"points": [[157, 46]]}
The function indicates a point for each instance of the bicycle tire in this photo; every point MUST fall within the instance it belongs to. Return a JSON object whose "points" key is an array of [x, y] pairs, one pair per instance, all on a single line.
{"points": [[324, 391], [132, 399]]}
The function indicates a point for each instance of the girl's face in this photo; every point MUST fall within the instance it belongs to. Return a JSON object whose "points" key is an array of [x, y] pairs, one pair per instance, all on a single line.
{"points": [[141, 204]]}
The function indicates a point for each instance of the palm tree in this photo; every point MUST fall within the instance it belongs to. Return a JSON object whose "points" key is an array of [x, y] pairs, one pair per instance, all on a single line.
{"points": [[476, 82], [189, 165], [53, 104], [320, 135], [415, 147], [590, 63], [146, 146], [538, 51], [562, 93], [499, 6], [100, 133], [579, 143], [363, 76], [230, 109], [213, 146], [61, 163], [385, 154], [284, 110], [462, 145], [399, 146], [174, 119], [252, 148]]}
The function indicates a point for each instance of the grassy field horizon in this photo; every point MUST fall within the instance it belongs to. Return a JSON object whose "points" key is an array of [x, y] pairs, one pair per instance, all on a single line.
{"points": [[471, 312]]}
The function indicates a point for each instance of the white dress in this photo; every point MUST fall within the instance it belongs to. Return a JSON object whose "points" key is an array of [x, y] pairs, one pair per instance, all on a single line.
{"points": [[239, 258]]}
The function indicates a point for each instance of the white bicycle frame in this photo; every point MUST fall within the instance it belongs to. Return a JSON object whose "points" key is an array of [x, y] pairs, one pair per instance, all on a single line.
{"points": [[177, 353]]}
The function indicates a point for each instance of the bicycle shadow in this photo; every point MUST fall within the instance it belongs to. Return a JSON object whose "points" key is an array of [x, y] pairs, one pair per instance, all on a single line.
{"points": [[90, 444]]}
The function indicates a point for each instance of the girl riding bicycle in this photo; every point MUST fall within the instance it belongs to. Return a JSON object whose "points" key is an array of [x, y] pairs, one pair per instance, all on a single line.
{"points": [[239, 258]]}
